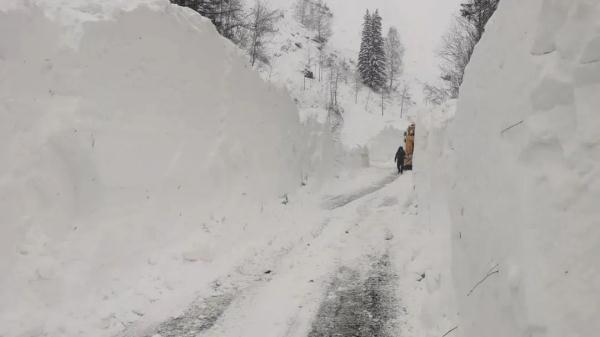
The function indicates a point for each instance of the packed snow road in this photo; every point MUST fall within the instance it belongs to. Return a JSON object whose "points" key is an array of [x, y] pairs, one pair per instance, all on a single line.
{"points": [[348, 277], [344, 199]]}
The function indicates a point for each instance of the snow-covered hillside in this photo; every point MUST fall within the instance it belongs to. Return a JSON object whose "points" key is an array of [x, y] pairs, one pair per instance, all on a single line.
{"points": [[126, 128], [292, 49], [421, 24], [362, 123], [525, 189], [361, 116]]}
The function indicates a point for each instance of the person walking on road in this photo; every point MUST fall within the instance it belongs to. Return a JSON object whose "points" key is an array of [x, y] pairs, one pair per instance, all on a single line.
{"points": [[400, 159]]}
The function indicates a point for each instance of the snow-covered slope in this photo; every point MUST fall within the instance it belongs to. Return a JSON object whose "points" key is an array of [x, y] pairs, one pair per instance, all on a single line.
{"points": [[126, 127], [421, 24], [292, 49], [431, 175], [526, 188]]}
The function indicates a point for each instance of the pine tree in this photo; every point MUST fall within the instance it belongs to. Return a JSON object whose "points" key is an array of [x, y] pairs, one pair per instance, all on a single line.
{"points": [[371, 58], [378, 63], [364, 55]]}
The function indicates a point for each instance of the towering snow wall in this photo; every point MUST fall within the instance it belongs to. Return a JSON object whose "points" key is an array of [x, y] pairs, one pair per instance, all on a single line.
{"points": [[124, 125], [525, 195], [431, 175]]}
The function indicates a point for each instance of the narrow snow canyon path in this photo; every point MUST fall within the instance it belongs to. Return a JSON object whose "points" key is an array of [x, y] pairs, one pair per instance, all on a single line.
{"points": [[344, 278]]}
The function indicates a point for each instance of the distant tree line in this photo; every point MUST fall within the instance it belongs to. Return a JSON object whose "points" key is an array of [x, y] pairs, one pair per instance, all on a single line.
{"points": [[248, 28], [458, 46]]}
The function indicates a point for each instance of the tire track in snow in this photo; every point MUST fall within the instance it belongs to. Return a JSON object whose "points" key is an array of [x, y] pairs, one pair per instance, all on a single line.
{"points": [[200, 316], [358, 307], [204, 312], [355, 305], [344, 199]]}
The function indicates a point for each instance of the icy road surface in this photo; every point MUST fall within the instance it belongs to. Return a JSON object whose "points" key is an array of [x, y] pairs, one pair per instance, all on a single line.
{"points": [[356, 273]]}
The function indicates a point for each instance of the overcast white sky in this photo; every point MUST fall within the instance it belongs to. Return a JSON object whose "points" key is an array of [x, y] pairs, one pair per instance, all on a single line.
{"points": [[421, 24]]}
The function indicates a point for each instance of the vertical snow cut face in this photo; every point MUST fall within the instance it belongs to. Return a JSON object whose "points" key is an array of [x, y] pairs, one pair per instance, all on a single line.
{"points": [[119, 146], [526, 188]]}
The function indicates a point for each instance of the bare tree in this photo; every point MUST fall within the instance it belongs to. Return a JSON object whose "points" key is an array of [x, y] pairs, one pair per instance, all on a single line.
{"points": [[301, 10], [457, 48], [261, 24], [478, 12], [231, 21], [434, 95], [308, 72], [460, 41], [357, 85], [316, 16], [338, 72], [394, 51], [322, 18], [405, 99], [357, 81], [322, 60], [226, 15]]}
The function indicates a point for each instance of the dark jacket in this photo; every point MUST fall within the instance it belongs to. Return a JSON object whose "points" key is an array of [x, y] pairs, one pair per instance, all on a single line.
{"points": [[400, 156]]}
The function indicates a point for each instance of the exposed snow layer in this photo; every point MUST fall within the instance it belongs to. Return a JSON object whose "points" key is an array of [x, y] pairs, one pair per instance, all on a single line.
{"points": [[124, 151], [526, 184]]}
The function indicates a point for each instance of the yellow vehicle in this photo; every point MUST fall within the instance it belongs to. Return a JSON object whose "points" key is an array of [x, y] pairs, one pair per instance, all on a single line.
{"points": [[409, 146]]}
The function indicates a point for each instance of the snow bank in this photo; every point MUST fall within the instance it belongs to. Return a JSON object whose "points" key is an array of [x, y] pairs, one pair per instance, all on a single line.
{"points": [[431, 174], [125, 127], [526, 187]]}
